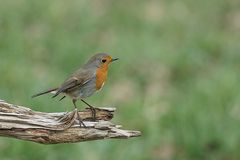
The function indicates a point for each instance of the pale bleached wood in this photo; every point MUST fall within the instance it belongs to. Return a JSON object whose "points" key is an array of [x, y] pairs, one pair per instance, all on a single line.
{"points": [[51, 128]]}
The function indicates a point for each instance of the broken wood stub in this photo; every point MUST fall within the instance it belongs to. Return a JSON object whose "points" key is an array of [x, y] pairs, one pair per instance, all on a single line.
{"points": [[63, 127]]}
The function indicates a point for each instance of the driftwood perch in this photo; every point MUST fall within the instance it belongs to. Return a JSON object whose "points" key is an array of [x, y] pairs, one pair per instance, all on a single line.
{"points": [[51, 128]]}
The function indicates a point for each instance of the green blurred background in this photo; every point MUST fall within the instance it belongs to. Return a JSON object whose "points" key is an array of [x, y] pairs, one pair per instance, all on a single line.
{"points": [[177, 81]]}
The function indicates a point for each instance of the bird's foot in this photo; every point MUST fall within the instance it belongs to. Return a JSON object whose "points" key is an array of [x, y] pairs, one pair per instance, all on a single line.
{"points": [[93, 110], [79, 119]]}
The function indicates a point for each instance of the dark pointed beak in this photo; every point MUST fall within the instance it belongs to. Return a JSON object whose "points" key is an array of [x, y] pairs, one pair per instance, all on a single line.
{"points": [[114, 59]]}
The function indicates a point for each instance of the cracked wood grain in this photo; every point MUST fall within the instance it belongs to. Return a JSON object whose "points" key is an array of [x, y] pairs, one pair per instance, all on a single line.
{"points": [[51, 128]]}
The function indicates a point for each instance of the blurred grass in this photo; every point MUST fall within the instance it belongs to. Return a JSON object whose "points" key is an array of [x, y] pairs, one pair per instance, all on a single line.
{"points": [[177, 80]]}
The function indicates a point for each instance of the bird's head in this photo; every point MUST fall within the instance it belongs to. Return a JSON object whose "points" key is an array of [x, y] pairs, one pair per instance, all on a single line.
{"points": [[101, 60]]}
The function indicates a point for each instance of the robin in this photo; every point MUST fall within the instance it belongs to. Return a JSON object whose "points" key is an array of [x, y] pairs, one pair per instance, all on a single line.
{"points": [[84, 82]]}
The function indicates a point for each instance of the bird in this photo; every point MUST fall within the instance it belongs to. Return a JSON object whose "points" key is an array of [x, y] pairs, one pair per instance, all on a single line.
{"points": [[84, 82]]}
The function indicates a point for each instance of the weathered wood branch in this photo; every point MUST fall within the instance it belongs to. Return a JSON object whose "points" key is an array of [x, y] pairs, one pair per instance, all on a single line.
{"points": [[51, 128]]}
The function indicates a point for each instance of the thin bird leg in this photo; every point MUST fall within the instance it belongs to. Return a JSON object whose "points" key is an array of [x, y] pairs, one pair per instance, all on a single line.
{"points": [[79, 119], [93, 110]]}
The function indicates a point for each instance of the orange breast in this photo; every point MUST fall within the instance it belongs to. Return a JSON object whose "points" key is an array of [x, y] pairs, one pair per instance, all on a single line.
{"points": [[101, 77]]}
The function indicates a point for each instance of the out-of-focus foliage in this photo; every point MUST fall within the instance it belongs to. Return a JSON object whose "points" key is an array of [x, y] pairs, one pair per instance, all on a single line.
{"points": [[177, 79]]}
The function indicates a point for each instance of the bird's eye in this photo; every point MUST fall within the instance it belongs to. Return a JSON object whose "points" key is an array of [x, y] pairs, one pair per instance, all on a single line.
{"points": [[104, 60]]}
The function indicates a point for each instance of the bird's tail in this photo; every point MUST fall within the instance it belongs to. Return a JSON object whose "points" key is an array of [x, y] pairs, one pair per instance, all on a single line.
{"points": [[45, 92]]}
